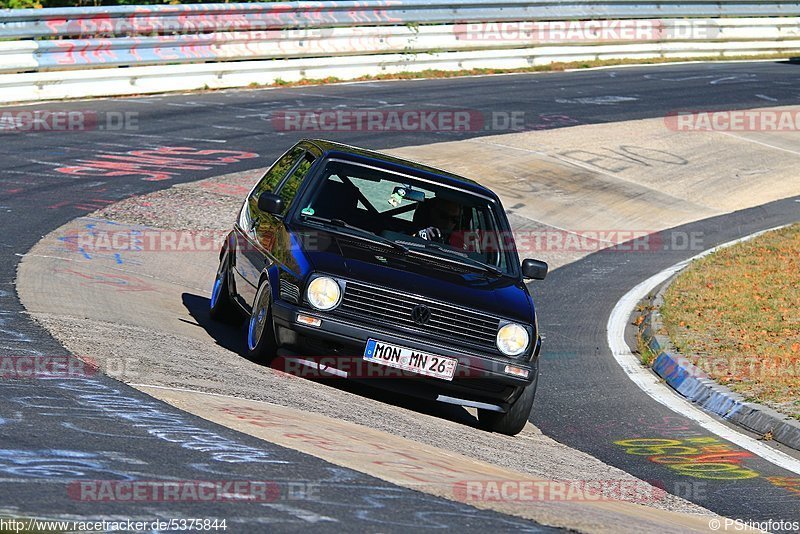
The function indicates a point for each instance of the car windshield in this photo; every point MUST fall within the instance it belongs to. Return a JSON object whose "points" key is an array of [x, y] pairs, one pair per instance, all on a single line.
{"points": [[422, 217]]}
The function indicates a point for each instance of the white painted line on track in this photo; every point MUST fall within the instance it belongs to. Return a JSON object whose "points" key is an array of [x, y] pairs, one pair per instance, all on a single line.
{"points": [[761, 143], [765, 97], [150, 136], [660, 392]]}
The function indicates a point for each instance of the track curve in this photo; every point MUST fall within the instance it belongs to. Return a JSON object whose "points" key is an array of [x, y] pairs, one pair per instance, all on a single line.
{"points": [[601, 411], [37, 198]]}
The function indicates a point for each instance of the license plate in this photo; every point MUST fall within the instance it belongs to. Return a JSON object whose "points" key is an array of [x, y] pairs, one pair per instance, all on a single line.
{"points": [[410, 360]]}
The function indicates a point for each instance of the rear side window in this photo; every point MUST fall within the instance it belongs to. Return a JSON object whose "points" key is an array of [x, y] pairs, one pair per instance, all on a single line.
{"points": [[273, 177], [271, 181], [288, 190]]}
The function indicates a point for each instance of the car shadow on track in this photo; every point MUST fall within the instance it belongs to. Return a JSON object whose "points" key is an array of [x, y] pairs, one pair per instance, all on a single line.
{"points": [[232, 338], [227, 336]]}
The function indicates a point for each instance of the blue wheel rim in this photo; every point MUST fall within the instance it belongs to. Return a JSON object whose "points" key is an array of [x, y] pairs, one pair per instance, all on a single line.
{"points": [[251, 332], [215, 292], [253, 337], [257, 319]]}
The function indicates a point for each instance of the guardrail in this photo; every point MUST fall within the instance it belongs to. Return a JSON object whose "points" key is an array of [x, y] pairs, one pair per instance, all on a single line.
{"points": [[69, 52]]}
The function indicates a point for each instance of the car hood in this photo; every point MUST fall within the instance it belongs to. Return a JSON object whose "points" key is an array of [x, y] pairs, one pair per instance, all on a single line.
{"points": [[338, 255]]}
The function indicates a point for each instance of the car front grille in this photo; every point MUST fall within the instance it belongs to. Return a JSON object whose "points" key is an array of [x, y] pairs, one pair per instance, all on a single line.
{"points": [[394, 308]]}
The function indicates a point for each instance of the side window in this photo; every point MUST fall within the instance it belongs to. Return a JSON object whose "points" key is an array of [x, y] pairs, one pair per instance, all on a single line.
{"points": [[276, 173], [273, 177], [491, 245], [289, 189]]}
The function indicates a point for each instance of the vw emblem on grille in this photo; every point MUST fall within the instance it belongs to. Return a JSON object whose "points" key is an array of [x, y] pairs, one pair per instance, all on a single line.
{"points": [[421, 314]]}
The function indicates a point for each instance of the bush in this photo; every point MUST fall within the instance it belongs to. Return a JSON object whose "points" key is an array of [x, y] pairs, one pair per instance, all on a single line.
{"points": [[20, 4]]}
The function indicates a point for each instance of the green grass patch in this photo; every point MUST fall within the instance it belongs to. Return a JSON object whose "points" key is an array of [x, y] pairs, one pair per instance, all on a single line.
{"points": [[646, 355]]}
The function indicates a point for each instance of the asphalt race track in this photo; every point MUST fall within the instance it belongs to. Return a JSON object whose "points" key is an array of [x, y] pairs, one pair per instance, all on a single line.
{"points": [[63, 429], [597, 404]]}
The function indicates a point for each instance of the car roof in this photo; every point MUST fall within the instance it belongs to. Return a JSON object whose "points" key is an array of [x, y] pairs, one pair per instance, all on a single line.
{"points": [[385, 161]]}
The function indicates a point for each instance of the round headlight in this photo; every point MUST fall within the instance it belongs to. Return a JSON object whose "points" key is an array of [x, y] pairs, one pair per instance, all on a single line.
{"points": [[323, 293], [512, 339]]}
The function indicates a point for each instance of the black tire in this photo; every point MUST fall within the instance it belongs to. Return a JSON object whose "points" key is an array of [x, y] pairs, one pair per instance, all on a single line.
{"points": [[514, 420], [261, 343], [221, 306]]}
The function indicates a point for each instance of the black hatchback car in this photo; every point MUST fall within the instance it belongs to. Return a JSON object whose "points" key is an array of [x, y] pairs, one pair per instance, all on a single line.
{"points": [[364, 265]]}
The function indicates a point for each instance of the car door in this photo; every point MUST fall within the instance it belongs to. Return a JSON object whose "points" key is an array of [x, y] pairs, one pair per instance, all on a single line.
{"points": [[267, 239], [249, 257]]}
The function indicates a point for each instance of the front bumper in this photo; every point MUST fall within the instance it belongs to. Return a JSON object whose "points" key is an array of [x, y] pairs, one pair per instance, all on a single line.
{"points": [[480, 380]]}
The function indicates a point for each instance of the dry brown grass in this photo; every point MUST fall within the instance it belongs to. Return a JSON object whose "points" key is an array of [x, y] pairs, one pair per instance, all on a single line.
{"points": [[736, 314], [552, 67]]}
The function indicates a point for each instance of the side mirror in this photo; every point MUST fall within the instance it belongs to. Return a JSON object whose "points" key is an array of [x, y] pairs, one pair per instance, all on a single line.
{"points": [[270, 203], [534, 269]]}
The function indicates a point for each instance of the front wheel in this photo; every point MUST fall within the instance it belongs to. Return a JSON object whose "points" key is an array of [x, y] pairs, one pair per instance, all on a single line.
{"points": [[221, 307], [513, 421], [261, 344]]}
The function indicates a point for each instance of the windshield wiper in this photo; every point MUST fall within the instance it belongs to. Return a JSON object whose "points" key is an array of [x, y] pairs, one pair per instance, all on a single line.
{"points": [[464, 259], [362, 233]]}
